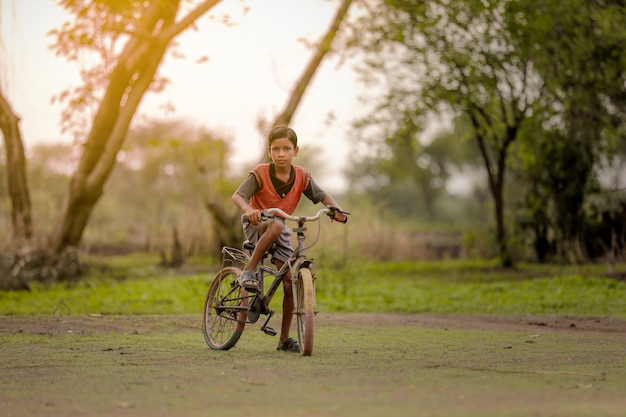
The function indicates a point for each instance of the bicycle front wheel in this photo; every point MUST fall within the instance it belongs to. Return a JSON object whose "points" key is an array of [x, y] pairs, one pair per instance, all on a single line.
{"points": [[225, 310], [304, 308]]}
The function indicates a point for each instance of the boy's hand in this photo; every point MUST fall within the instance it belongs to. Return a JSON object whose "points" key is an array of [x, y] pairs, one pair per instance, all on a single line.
{"points": [[340, 217], [338, 214], [253, 216]]}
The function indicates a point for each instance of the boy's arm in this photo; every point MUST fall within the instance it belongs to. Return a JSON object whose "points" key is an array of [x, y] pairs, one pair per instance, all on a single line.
{"points": [[328, 200], [254, 216], [242, 197]]}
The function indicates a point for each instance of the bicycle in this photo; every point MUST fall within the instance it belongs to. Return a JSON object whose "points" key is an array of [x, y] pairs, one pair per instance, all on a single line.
{"points": [[228, 307]]}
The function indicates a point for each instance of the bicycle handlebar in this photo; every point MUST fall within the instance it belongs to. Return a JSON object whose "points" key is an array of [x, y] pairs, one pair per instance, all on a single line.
{"points": [[329, 210]]}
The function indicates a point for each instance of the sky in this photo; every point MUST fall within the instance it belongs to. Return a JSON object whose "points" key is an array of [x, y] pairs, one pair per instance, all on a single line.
{"points": [[250, 71]]}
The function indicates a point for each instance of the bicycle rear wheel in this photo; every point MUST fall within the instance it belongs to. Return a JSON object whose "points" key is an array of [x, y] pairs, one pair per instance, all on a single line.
{"points": [[304, 308], [225, 310]]}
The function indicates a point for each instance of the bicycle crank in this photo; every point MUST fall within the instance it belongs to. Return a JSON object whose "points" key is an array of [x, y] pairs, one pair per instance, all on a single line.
{"points": [[266, 329]]}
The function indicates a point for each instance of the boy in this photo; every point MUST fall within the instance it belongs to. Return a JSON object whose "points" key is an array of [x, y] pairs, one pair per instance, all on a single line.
{"points": [[277, 184]]}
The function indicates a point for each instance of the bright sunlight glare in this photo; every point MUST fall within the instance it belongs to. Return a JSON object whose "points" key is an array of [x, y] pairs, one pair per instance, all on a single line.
{"points": [[231, 76]]}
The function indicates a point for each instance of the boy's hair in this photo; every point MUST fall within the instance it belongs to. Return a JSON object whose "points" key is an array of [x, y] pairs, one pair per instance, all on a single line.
{"points": [[281, 132]]}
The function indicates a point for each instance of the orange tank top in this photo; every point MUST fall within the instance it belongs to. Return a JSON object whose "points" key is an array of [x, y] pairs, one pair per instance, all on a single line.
{"points": [[267, 197]]}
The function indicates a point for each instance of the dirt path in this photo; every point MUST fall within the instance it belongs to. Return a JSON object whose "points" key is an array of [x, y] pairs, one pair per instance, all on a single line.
{"points": [[364, 365], [97, 324]]}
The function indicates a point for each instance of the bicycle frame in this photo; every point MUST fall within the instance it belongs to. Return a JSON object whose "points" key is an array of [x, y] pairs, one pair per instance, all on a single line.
{"points": [[295, 262]]}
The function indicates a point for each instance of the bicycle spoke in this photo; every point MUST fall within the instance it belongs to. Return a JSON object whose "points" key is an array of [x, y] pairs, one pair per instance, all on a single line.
{"points": [[224, 310]]}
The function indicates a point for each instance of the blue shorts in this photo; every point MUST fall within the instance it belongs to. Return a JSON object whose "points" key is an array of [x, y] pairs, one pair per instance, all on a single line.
{"points": [[283, 250]]}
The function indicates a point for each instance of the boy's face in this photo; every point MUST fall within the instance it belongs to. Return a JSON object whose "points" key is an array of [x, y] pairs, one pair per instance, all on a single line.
{"points": [[282, 152]]}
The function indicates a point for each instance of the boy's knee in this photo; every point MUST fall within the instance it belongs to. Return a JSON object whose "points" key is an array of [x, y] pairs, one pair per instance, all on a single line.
{"points": [[276, 227]]}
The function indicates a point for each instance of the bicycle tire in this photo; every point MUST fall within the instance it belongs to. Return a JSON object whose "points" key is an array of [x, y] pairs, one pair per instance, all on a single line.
{"points": [[304, 309], [224, 319]]}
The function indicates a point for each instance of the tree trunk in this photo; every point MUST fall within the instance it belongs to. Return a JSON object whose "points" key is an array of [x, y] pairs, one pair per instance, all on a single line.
{"points": [[227, 227], [496, 178], [128, 82], [177, 255], [16, 173], [322, 50]]}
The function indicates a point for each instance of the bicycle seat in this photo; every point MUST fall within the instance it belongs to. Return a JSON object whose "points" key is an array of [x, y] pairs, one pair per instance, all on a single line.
{"points": [[249, 246]]}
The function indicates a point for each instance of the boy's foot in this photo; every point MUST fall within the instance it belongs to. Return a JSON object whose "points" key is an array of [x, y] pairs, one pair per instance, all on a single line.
{"points": [[290, 345], [248, 281]]}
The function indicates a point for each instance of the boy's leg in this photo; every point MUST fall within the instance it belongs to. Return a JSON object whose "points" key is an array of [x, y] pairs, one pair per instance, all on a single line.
{"points": [[281, 254], [268, 232], [287, 306]]}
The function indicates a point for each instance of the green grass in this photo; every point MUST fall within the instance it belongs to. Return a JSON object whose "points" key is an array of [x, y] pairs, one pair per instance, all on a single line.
{"points": [[474, 287], [137, 285]]}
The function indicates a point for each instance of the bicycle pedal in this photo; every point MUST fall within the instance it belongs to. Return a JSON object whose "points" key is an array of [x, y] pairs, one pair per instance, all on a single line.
{"points": [[269, 331]]}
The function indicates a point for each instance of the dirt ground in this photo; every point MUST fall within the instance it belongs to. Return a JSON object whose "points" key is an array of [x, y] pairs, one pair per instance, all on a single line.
{"points": [[96, 324], [363, 365]]}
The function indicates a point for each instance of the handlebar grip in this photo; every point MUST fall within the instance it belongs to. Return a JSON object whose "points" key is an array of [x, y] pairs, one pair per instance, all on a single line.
{"points": [[333, 209], [267, 215], [264, 215]]}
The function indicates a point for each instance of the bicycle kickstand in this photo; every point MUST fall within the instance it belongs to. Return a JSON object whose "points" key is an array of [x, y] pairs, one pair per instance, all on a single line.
{"points": [[266, 329]]}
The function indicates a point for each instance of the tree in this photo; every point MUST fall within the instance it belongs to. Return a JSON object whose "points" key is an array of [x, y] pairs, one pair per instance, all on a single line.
{"points": [[451, 56], [577, 48], [148, 29], [190, 165], [125, 74], [16, 173], [407, 173]]}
